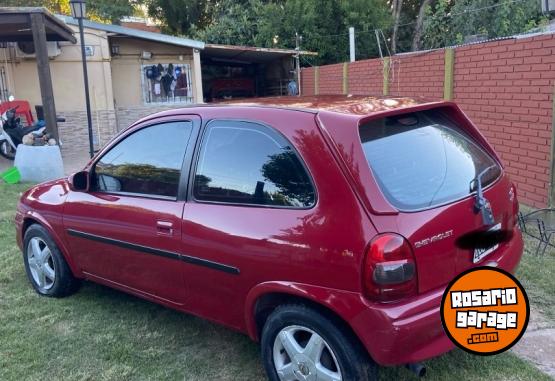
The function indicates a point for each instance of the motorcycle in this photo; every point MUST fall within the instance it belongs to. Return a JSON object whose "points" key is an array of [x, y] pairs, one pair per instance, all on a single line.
{"points": [[12, 132]]}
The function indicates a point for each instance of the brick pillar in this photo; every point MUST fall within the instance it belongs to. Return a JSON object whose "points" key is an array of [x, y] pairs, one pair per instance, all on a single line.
{"points": [[551, 193], [386, 62], [345, 78], [448, 82], [317, 80]]}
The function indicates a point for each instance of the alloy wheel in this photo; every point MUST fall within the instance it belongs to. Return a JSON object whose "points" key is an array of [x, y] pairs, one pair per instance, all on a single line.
{"points": [[41, 263], [301, 354]]}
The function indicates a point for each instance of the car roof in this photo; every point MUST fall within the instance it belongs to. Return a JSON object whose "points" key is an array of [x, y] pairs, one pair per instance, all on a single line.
{"points": [[357, 107], [345, 104]]}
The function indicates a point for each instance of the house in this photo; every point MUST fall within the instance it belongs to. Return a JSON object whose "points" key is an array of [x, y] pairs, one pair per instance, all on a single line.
{"points": [[136, 71], [129, 77]]}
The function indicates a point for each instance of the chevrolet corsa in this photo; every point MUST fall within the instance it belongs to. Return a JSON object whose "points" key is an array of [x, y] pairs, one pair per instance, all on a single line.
{"points": [[326, 228]]}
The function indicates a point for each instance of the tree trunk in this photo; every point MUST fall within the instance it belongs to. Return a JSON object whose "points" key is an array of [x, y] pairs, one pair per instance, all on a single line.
{"points": [[397, 5], [419, 25]]}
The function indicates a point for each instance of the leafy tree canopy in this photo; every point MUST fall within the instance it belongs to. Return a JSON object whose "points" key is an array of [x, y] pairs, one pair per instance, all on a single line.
{"points": [[323, 24], [450, 22], [179, 16], [99, 10]]}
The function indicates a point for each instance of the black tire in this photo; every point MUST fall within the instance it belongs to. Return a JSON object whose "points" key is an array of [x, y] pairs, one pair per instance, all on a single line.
{"points": [[64, 283], [353, 361], [6, 150]]}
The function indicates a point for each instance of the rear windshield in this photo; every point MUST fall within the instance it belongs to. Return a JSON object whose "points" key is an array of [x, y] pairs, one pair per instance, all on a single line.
{"points": [[423, 159]]}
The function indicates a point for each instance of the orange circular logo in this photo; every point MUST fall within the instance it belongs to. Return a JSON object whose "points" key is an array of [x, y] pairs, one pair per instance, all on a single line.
{"points": [[485, 311]]}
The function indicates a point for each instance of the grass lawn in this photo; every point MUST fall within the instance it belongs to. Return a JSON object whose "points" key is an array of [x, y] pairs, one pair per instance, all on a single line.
{"points": [[537, 275], [101, 334]]}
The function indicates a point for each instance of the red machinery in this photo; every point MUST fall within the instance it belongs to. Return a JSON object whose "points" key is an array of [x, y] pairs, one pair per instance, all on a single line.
{"points": [[23, 108]]}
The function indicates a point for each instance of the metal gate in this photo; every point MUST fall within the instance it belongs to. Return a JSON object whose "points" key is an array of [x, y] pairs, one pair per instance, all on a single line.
{"points": [[4, 92], [4, 85]]}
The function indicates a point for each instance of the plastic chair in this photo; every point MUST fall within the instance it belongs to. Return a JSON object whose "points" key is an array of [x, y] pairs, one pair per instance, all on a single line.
{"points": [[23, 109], [539, 224]]}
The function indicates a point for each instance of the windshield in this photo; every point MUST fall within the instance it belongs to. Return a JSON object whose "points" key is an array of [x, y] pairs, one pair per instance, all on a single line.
{"points": [[423, 159]]}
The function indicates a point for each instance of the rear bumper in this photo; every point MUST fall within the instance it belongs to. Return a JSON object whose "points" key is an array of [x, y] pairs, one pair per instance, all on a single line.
{"points": [[410, 332], [403, 333]]}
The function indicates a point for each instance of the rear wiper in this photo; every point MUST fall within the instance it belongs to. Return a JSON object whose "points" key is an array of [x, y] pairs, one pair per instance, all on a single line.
{"points": [[481, 204]]}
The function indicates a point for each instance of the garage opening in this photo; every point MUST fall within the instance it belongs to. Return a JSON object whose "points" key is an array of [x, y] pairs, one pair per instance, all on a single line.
{"points": [[232, 72]]}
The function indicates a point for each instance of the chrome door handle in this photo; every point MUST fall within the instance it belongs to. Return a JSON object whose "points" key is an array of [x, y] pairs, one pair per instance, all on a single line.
{"points": [[164, 227]]}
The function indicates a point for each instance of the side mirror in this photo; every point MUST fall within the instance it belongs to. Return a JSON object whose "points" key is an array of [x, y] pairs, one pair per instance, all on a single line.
{"points": [[79, 181]]}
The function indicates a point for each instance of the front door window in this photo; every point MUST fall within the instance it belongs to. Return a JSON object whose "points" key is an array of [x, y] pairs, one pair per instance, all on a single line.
{"points": [[147, 162]]}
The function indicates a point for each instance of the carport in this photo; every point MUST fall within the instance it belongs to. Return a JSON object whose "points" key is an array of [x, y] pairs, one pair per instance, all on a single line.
{"points": [[230, 71], [37, 25]]}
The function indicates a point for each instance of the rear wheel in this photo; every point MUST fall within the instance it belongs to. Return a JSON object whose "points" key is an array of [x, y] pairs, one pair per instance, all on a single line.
{"points": [[299, 343], [45, 265], [7, 150]]}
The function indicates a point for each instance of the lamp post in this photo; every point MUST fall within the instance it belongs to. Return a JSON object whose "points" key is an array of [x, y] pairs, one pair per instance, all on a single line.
{"points": [[78, 11]]}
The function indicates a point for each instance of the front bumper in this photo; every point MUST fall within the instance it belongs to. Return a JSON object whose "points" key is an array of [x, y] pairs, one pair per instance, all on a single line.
{"points": [[18, 220]]}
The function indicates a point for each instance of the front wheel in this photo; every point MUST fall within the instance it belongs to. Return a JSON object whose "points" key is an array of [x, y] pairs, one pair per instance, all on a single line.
{"points": [[7, 150], [45, 265], [300, 343]]}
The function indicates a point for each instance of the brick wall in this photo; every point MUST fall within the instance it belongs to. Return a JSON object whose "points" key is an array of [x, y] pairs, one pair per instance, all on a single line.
{"points": [[331, 79], [506, 87], [308, 80], [106, 124], [417, 75], [365, 77], [128, 115], [74, 134]]}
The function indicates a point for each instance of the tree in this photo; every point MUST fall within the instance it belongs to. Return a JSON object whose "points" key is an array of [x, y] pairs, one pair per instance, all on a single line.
{"points": [[179, 16], [406, 25], [451, 21], [323, 25], [112, 10], [396, 7], [100, 10], [418, 29], [54, 6], [251, 23], [366, 16]]}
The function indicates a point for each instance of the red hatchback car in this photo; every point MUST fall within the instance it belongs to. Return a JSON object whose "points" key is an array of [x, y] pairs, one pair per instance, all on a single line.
{"points": [[325, 228]]}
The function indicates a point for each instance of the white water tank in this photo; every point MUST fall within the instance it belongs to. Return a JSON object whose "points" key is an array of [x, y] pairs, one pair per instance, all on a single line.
{"points": [[39, 163]]}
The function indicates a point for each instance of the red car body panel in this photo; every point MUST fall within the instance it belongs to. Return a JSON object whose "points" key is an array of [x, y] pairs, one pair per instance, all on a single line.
{"points": [[315, 253], [127, 219]]}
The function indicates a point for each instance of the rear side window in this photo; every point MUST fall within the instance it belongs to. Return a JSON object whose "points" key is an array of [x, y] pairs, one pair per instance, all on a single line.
{"points": [[423, 159], [247, 163]]}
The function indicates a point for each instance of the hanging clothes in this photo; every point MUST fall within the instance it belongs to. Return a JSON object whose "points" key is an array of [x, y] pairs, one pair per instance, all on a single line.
{"points": [[156, 88], [166, 82], [181, 85], [160, 69], [172, 71]]}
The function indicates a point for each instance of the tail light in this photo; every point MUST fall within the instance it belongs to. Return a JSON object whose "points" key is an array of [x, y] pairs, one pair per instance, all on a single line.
{"points": [[389, 272]]}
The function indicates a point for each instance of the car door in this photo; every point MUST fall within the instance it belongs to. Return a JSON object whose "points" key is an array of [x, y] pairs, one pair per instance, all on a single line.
{"points": [[249, 188], [126, 230]]}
